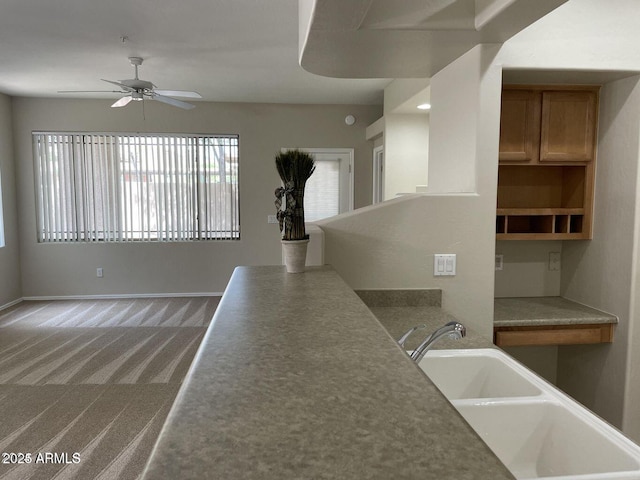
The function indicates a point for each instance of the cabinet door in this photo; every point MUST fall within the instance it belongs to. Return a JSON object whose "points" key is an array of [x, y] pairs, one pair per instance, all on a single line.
{"points": [[519, 126], [568, 126]]}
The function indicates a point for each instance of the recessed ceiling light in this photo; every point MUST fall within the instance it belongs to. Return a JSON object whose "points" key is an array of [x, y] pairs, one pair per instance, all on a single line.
{"points": [[424, 106]]}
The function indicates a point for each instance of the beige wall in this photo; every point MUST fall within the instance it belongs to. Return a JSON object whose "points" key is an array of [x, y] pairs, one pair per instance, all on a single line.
{"points": [[602, 273], [406, 153], [525, 271], [10, 288], [69, 269], [391, 245]]}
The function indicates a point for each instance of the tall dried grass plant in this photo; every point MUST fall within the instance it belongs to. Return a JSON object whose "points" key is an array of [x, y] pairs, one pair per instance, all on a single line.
{"points": [[294, 167]]}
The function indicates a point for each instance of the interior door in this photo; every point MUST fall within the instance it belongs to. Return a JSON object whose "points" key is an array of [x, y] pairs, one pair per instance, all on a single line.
{"points": [[329, 190]]}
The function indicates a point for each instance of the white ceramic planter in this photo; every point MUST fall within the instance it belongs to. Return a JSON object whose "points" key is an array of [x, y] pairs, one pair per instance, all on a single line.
{"points": [[295, 254]]}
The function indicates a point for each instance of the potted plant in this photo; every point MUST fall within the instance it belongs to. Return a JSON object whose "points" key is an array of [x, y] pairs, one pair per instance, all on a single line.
{"points": [[294, 167]]}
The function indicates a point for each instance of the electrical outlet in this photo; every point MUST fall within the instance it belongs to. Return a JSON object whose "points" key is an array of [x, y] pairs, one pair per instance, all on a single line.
{"points": [[554, 261], [99, 272], [272, 219], [499, 262]]}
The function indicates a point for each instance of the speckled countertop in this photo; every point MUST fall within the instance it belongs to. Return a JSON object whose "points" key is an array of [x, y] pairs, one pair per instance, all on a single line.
{"points": [[525, 311], [296, 379]]}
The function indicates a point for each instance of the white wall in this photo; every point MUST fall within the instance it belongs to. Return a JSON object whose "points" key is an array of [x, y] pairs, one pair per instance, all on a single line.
{"points": [[403, 95], [582, 35], [10, 288], [405, 136], [69, 269], [406, 153], [601, 273], [525, 270], [391, 245], [455, 111], [526, 273], [463, 158]]}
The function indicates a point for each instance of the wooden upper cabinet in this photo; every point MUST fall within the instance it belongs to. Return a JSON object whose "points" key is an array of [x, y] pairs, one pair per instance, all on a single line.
{"points": [[520, 126], [568, 129], [547, 162], [547, 124]]}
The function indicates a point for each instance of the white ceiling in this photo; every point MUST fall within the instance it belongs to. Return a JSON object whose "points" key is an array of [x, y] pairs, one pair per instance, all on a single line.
{"points": [[227, 50]]}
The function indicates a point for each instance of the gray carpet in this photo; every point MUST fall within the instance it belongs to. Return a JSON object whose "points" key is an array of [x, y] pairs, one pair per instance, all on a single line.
{"points": [[94, 379]]}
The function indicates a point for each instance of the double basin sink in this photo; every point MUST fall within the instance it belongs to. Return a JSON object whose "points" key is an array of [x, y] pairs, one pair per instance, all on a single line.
{"points": [[533, 428]]}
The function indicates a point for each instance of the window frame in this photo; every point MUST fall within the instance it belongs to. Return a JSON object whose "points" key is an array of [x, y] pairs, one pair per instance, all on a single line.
{"points": [[181, 167], [346, 186]]}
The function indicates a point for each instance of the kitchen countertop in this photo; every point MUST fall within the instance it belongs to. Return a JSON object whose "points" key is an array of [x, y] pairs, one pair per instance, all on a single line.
{"points": [[533, 311], [296, 378]]}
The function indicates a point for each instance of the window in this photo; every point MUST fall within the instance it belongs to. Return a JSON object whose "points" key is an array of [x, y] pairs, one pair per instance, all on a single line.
{"points": [[329, 190], [136, 187]]}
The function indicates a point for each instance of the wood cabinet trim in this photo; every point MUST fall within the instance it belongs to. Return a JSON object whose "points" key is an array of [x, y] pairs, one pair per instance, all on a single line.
{"points": [[554, 335], [550, 87]]}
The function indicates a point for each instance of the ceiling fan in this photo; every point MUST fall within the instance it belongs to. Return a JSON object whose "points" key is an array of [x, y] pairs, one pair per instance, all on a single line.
{"points": [[138, 90]]}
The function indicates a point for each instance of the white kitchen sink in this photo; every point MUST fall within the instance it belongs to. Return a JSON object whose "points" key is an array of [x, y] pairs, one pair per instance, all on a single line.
{"points": [[533, 428], [477, 374]]}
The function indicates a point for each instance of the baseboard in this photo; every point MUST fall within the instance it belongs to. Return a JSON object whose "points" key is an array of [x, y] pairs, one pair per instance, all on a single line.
{"points": [[121, 296], [10, 304]]}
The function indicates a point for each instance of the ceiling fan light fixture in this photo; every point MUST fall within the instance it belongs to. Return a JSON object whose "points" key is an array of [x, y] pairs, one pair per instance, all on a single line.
{"points": [[138, 90]]}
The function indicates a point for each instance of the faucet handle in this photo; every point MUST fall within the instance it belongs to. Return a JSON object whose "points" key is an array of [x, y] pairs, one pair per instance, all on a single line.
{"points": [[403, 339]]}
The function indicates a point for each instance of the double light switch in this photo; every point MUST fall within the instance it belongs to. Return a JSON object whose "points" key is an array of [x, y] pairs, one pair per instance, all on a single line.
{"points": [[444, 264]]}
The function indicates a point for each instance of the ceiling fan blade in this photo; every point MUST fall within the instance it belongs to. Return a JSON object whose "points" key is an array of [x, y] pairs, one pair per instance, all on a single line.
{"points": [[178, 93], [173, 101], [121, 85], [91, 91], [122, 102]]}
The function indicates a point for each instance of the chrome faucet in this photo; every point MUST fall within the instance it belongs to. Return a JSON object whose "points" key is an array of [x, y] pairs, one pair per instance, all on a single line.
{"points": [[403, 339], [453, 330]]}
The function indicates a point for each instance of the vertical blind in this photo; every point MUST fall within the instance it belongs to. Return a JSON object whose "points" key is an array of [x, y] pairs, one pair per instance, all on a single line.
{"points": [[136, 187], [322, 193]]}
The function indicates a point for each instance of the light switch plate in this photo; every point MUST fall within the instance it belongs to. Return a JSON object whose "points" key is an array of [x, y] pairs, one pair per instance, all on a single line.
{"points": [[444, 264], [554, 261], [499, 261]]}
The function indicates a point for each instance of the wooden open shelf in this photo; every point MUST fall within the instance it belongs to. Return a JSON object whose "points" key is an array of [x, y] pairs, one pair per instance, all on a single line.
{"points": [[537, 223], [543, 202]]}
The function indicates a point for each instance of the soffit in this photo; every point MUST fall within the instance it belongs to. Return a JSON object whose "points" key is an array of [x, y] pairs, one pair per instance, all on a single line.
{"points": [[407, 38]]}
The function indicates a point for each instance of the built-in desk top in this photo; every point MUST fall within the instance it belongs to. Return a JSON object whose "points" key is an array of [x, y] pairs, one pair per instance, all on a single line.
{"points": [[532, 321], [531, 311]]}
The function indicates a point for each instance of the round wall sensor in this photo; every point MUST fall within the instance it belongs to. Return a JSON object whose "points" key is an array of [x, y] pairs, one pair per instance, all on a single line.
{"points": [[349, 119]]}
